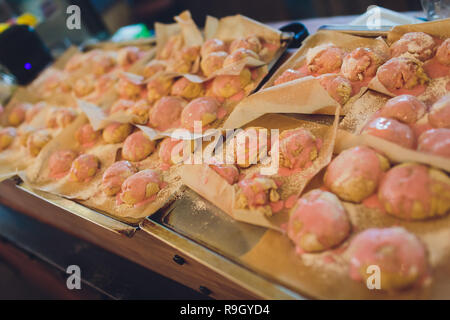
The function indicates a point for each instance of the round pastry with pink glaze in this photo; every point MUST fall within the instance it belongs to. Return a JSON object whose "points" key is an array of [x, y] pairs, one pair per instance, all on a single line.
{"points": [[158, 87], [401, 73], [213, 62], [227, 86], [153, 67], [141, 187], [227, 171], [298, 148], [128, 89], [338, 87], [257, 193], [18, 114], [324, 59], [400, 256], [84, 86], [103, 63], [404, 108], [83, 168], [288, 75], [127, 56], [418, 44], [137, 147], [183, 60], [391, 130], [115, 175], [443, 53], [360, 64], [166, 113], [212, 45], [413, 191], [171, 151], [140, 109], [37, 140], [7, 136], [251, 144], [33, 111], [204, 109], [187, 89], [173, 45], [317, 222], [64, 117], [251, 43], [435, 141], [60, 163], [355, 173], [116, 132], [86, 135], [121, 105], [439, 114], [239, 55]]}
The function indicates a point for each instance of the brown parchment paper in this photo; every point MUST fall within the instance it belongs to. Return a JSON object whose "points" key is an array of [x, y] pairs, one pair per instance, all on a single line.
{"points": [[214, 188], [438, 28]]}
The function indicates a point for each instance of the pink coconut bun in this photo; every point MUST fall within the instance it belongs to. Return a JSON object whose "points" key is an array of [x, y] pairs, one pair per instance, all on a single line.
{"points": [[121, 105], [83, 168], [227, 171], [250, 43], [115, 175], [212, 45], [239, 55], [435, 141], [86, 135], [84, 86], [439, 115], [116, 132], [213, 62], [7, 136], [60, 162], [140, 187], [250, 144], [166, 148], [33, 111], [127, 56], [317, 222], [18, 114], [137, 147], [355, 173], [173, 45], [400, 256], [421, 45], [127, 89], [360, 64], [328, 60], [287, 76], [391, 130], [412, 191], [404, 108], [153, 67], [338, 87], [166, 113], [443, 53], [227, 86], [187, 89], [401, 73], [158, 88], [65, 116], [140, 109], [37, 140], [203, 109], [103, 63], [298, 148], [257, 192]]}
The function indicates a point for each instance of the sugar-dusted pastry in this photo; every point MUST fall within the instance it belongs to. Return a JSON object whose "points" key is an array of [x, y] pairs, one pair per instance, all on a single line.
{"points": [[338, 87], [239, 55], [391, 130], [187, 89], [128, 89], [251, 43], [404, 108], [227, 171], [213, 62], [116, 132], [212, 45], [121, 105], [140, 109], [400, 256], [102, 63], [257, 193], [115, 175], [317, 222], [227, 86], [288, 75], [355, 173], [33, 111], [173, 45], [439, 115], [86, 135], [325, 58], [83, 168], [166, 113], [184, 59], [84, 85], [413, 191], [141, 187], [153, 67], [443, 53], [37, 140], [18, 114], [127, 56], [7, 136], [60, 163], [251, 145], [158, 87], [298, 148], [204, 109], [435, 141], [170, 151], [137, 147], [361, 64], [418, 44], [60, 117], [401, 73]]}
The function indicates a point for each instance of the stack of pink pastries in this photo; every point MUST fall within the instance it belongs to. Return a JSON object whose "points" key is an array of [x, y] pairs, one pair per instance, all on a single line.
{"points": [[414, 60]]}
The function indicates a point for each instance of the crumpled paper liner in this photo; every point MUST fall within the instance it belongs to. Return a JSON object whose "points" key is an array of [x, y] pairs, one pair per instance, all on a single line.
{"points": [[214, 188], [438, 28]]}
